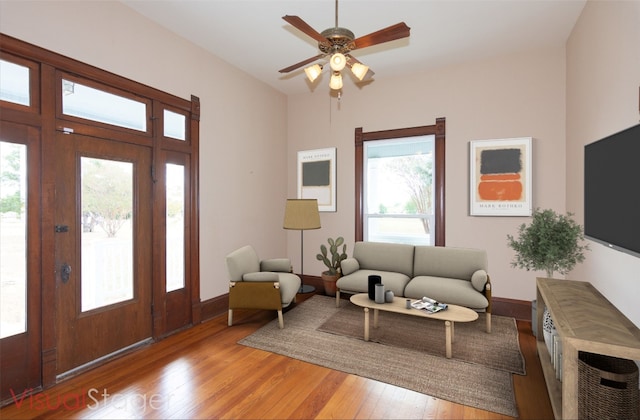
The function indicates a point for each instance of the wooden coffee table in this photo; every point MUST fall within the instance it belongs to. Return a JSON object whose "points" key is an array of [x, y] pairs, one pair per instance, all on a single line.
{"points": [[452, 314]]}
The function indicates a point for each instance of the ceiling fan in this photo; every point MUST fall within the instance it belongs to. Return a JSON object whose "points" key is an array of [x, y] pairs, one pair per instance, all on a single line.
{"points": [[338, 43]]}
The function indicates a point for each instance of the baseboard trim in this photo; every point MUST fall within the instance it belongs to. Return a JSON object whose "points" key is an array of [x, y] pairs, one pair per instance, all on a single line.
{"points": [[214, 307], [519, 309]]}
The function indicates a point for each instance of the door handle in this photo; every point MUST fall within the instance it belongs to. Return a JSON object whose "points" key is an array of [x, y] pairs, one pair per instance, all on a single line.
{"points": [[65, 272]]}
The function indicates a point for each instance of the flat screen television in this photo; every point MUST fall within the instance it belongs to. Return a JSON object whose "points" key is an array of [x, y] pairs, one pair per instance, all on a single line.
{"points": [[612, 191]]}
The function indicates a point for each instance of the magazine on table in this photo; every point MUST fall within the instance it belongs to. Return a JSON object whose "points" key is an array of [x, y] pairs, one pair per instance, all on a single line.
{"points": [[429, 305]]}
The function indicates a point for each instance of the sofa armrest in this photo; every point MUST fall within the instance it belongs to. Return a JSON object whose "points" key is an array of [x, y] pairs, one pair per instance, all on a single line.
{"points": [[280, 265]]}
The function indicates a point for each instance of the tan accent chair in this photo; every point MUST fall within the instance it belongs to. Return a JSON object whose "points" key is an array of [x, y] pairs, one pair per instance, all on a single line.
{"points": [[255, 284]]}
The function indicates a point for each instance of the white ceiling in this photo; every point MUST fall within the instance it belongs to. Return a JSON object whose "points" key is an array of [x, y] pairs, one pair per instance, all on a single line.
{"points": [[251, 35]]}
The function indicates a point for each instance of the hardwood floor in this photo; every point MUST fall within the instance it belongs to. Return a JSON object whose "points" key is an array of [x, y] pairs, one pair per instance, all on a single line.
{"points": [[203, 373]]}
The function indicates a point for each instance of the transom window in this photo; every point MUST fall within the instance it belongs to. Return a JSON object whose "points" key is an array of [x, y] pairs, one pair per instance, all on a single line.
{"points": [[14, 83], [83, 101]]}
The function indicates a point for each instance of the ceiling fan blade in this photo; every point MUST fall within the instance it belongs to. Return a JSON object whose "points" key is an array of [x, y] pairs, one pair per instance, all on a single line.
{"points": [[303, 26], [302, 63], [397, 31]]}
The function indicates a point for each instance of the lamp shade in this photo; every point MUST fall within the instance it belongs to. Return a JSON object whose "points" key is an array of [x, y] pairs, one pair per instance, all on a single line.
{"points": [[336, 81], [338, 61], [359, 70], [301, 214], [313, 72]]}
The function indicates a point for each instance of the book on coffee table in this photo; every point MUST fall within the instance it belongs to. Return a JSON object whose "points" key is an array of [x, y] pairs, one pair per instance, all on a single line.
{"points": [[429, 305]]}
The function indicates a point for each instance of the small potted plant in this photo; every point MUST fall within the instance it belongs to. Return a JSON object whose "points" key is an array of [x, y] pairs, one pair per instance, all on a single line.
{"points": [[332, 257], [552, 242]]}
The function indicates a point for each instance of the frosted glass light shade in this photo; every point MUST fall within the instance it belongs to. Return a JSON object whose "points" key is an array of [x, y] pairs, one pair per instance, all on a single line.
{"points": [[359, 70], [313, 72], [336, 81], [337, 62]]}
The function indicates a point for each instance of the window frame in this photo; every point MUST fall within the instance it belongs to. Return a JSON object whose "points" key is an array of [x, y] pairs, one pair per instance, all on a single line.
{"points": [[438, 131]]}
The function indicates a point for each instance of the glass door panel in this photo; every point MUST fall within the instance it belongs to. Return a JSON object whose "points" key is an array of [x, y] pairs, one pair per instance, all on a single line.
{"points": [[13, 239], [175, 226], [107, 232]]}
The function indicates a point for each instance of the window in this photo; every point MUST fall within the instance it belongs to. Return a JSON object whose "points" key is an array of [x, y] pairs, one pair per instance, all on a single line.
{"points": [[175, 253], [107, 232], [14, 83], [92, 104], [13, 239], [175, 125], [399, 190], [400, 185]]}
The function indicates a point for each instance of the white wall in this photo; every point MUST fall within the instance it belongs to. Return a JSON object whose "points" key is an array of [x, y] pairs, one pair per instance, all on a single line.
{"points": [[243, 122], [603, 82], [521, 95]]}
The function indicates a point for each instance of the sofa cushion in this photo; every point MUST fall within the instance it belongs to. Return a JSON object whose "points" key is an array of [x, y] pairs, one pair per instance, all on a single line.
{"points": [[349, 265], [446, 290], [479, 279], [358, 282], [260, 276], [282, 265], [457, 263], [387, 257]]}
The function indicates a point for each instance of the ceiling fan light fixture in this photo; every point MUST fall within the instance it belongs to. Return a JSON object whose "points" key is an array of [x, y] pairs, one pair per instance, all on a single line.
{"points": [[336, 81], [338, 61], [313, 72], [359, 70]]}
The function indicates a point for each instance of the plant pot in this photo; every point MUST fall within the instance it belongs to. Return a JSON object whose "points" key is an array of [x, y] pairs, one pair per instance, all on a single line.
{"points": [[329, 282]]}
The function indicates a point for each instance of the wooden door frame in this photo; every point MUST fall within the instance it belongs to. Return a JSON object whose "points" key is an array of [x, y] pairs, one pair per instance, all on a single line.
{"points": [[44, 116]]}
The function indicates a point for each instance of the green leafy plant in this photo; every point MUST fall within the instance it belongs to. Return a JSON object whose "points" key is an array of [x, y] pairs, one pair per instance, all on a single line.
{"points": [[337, 257], [552, 242]]}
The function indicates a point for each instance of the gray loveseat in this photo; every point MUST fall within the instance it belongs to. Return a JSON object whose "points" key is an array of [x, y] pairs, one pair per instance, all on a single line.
{"points": [[457, 276]]}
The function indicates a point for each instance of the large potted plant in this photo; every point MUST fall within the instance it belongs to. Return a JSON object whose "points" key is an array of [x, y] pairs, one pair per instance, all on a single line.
{"points": [[551, 242], [332, 257]]}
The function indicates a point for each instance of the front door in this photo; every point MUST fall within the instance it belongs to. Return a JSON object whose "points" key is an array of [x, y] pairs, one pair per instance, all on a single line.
{"points": [[103, 248]]}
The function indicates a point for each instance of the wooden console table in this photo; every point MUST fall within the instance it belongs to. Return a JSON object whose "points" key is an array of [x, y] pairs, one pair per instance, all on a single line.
{"points": [[585, 321]]}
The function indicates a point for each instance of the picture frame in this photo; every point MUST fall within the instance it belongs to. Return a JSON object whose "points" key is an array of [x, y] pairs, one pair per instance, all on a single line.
{"points": [[500, 172], [317, 177]]}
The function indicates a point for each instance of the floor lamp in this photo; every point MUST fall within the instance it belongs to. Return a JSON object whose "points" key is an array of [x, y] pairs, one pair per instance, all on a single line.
{"points": [[302, 214]]}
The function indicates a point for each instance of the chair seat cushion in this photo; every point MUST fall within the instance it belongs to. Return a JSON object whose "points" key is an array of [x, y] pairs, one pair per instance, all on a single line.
{"points": [[446, 290], [359, 281], [260, 276]]}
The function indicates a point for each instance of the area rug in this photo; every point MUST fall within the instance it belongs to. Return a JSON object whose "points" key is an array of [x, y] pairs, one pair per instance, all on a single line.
{"points": [[455, 380], [498, 350]]}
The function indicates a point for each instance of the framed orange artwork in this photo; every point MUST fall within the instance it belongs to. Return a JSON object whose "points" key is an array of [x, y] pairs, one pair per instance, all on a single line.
{"points": [[500, 177]]}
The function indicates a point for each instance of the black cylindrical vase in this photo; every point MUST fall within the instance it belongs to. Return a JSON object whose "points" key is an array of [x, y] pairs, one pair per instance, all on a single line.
{"points": [[373, 280]]}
